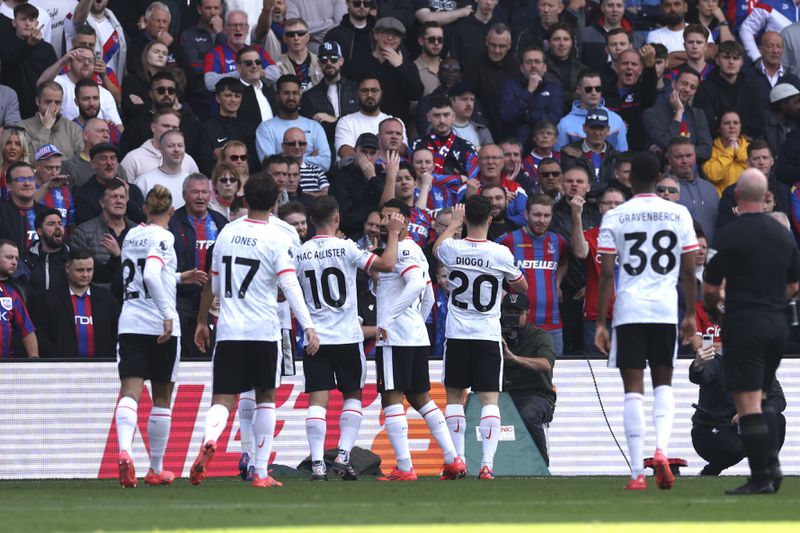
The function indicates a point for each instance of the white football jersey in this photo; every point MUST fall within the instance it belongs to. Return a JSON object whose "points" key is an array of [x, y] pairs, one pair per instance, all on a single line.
{"points": [[408, 329], [249, 256], [327, 268], [139, 313], [476, 270], [649, 235], [284, 310]]}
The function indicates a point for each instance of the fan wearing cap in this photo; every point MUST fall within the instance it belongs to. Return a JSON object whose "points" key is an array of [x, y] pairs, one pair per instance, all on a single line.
{"points": [[298, 60], [530, 97], [784, 114], [593, 152], [53, 187], [48, 126], [104, 160], [529, 357], [398, 75], [356, 186]]}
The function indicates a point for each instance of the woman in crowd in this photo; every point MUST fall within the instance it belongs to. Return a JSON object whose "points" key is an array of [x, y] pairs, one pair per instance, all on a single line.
{"points": [[136, 84], [225, 181], [16, 147], [728, 153]]}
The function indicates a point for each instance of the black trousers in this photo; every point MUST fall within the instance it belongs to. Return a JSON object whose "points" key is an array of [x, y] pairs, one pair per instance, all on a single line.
{"points": [[722, 446], [535, 412]]}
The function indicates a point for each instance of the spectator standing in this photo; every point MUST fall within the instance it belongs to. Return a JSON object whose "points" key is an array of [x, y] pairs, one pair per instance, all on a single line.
{"points": [[562, 61], [195, 43], [111, 41], [431, 41], [764, 16], [593, 37], [156, 28], [228, 123], [52, 187], [635, 91]]}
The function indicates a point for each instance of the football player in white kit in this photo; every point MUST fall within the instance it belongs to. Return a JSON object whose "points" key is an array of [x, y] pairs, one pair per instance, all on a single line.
{"points": [[148, 345], [404, 300], [473, 350], [252, 258], [327, 268], [655, 242]]}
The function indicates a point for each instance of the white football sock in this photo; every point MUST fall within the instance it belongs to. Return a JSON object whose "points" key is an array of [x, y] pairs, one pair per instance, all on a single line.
{"points": [[127, 415], [438, 425], [158, 427], [264, 430], [315, 431], [633, 419], [246, 409], [490, 433], [663, 414], [349, 424], [216, 420], [397, 430], [457, 423]]}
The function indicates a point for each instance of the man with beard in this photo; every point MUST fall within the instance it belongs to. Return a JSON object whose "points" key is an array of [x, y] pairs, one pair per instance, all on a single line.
{"points": [[87, 96], [673, 15], [18, 213], [48, 126], [46, 259], [104, 159], [784, 114], [195, 228], [334, 96], [354, 33], [635, 91], [365, 120], [431, 40], [269, 134], [676, 116], [500, 225], [451, 153]]}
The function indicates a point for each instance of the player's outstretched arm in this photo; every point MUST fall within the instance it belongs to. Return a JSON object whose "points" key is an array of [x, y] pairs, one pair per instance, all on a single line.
{"points": [[455, 227], [689, 287], [387, 260]]}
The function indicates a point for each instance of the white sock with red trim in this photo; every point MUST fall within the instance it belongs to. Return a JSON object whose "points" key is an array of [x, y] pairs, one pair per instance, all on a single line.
{"points": [[438, 425], [126, 417], [397, 430], [216, 420], [349, 425], [158, 426], [264, 430], [315, 431], [457, 424], [490, 434], [246, 410]]}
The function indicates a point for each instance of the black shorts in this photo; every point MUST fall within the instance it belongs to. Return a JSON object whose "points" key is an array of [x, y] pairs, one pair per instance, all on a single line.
{"points": [[140, 356], [752, 350], [475, 364], [240, 366], [336, 366], [403, 368], [636, 345]]}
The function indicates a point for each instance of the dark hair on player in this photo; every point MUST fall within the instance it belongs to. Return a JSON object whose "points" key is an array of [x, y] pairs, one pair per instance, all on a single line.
{"points": [[78, 254], [291, 208], [644, 170], [39, 220], [261, 192], [322, 209], [540, 199], [397, 204], [477, 210], [698, 229], [237, 203]]}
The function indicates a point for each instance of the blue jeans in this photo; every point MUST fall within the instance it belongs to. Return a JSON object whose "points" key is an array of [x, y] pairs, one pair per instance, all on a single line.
{"points": [[558, 341], [589, 328]]}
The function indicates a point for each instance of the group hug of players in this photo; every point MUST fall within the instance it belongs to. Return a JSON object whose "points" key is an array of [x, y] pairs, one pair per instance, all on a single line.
{"points": [[258, 261]]}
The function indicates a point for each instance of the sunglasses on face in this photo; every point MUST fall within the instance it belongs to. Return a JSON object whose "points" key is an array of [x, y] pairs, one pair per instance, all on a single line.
{"points": [[235, 157], [296, 33], [553, 174], [663, 188], [251, 62], [165, 90], [328, 59], [592, 89], [25, 179], [360, 3], [434, 39], [296, 143], [229, 180]]}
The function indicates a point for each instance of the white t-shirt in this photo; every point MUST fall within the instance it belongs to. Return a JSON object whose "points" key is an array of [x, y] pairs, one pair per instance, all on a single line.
{"points": [[476, 270], [69, 109], [327, 268], [468, 133], [146, 158], [139, 313], [408, 329], [673, 40], [173, 182], [349, 127], [249, 257], [649, 235]]}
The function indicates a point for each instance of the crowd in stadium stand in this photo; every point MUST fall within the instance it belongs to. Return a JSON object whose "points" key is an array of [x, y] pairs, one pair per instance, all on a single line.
{"points": [[529, 103]]}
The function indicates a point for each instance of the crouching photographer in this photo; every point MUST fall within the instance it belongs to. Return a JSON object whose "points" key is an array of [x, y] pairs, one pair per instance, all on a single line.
{"points": [[529, 356]]}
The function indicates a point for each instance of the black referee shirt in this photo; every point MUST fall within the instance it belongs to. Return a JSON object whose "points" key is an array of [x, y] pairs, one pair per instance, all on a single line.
{"points": [[757, 257]]}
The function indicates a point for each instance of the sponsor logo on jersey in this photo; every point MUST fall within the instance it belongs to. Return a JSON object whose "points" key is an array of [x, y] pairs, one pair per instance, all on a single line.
{"points": [[83, 320], [537, 264]]}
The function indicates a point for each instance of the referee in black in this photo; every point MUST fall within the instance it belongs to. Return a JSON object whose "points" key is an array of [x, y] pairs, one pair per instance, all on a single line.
{"points": [[758, 260]]}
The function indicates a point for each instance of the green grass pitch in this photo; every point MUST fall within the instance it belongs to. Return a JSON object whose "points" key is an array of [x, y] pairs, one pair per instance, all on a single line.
{"points": [[544, 504]]}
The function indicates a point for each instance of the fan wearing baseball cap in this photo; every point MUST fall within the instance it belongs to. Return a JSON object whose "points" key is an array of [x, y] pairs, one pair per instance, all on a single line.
{"points": [[53, 187], [594, 152]]}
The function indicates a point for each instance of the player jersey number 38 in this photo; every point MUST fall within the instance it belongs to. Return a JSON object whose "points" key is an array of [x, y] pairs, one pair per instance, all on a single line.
{"points": [[649, 235]]}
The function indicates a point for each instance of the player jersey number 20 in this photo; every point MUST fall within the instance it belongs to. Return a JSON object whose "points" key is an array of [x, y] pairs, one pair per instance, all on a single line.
{"points": [[663, 259], [477, 285]]}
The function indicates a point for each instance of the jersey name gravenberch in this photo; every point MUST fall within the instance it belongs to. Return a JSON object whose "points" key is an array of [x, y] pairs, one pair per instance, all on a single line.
{"points": [[327, 268], [475, 270], [408, 329], [249, 256], [649, 235], [139, 313]]}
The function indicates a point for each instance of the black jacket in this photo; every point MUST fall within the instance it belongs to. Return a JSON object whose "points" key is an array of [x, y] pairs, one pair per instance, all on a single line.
{"points": [[186, 244], [715, 96], [356, 195], [728, 201], [219, 130], [22, 66], [787, 165], [87, 202], [660, 128], [486, 78], [14, 225], [315, 100], [572, 155], [401, 85], [249, 109], [632, 105], [46, 270], [561, 223], [354, 49], [762, 82], [469, 35], [54, 318]]}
